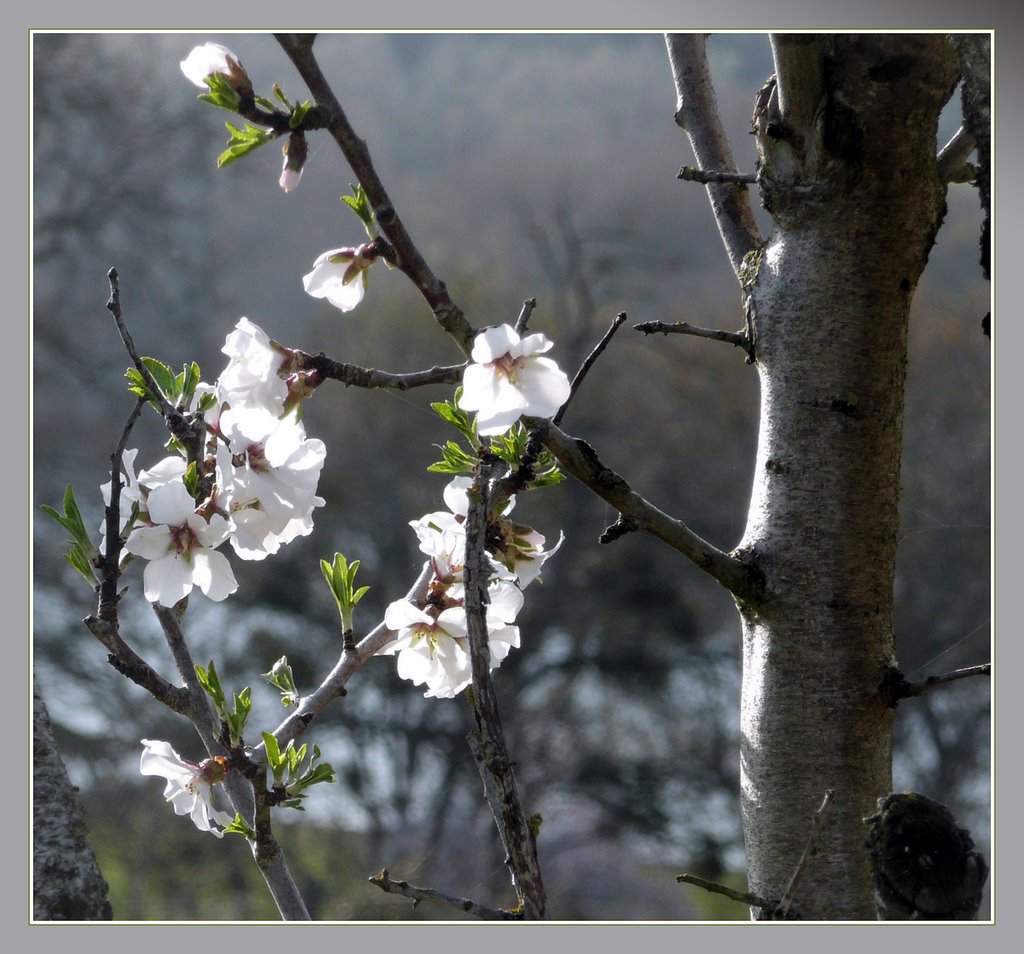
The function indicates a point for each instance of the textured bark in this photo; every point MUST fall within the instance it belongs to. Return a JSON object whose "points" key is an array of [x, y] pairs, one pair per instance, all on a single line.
{"points": [[66, 881], [848, 170]]}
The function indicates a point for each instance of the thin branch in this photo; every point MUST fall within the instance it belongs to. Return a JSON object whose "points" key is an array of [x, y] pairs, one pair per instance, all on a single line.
{"points": [[127, 662], [309, 707], [352, 375], [243, 792], [110, 568], [488, 741], [409, 259], [589, 363], [621, 527], [743, 897], [895, 685], [578, 458], [524, 315], [385, 882], [736, 338], [270, 858], [691, 174], [952, 158], [191, 433], [782, 911], [697, 114]]}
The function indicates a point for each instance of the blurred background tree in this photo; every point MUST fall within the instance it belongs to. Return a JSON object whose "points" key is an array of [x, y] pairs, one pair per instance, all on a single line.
{"points": [[525, 165]]}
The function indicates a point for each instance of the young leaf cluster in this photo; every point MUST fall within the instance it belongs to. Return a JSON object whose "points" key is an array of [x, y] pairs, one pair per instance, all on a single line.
{"points": [[243, 141], [83, 556], [177, 389], [360, 204], [234, 717], [282, 678], [340, 576], [510, 447], [287, 769]]}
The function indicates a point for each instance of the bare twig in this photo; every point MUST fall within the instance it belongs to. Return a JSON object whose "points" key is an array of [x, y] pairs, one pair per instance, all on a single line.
{"points": [[524, 315], [735, 338], [697, 114], [409, 259], [589, 363], [127, 662], [352, 375], [895, 685], [488, 740], [385, 882], [782, 911], [191, 432], [690, 174], [620, 528], [110, 566], [578, 458], [743, 897]]}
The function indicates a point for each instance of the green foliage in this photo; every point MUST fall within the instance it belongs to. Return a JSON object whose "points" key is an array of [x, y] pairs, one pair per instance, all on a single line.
{"points": [[340, 576], [177, 389], [287, 769], [510, 447], [281, 677], [221, 94], [243, 141], [360, 204], [239, 826], [234, 717], [82, 555]]}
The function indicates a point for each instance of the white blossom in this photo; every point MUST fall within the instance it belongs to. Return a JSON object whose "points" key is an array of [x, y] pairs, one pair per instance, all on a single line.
{"points": [[433, 646], [269, 472], [189, 784], [179, 545], [509, 379], [251, 377], [339, 275], [213, 58]]}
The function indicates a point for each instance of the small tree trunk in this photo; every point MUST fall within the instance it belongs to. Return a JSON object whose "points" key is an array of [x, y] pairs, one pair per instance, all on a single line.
{"points": [[66, 881], [848, 144]]}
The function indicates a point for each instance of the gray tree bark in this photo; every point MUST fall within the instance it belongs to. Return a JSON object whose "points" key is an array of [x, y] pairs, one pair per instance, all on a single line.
{"points": [[848, 170], [846, 133], [66, 881]]}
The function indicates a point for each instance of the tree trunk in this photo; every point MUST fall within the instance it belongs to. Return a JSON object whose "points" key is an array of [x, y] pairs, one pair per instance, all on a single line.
{"points": [[848, 171]]}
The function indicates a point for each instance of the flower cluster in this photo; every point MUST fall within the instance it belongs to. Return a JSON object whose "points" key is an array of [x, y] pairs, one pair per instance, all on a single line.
{"points": [[431, 641], [265, 472]]}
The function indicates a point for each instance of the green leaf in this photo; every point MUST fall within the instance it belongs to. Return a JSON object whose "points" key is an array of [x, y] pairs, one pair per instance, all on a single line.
{"points": [[274, 759], [221, 93], [210, 682], [186, 383], [280, 96], [282, 678], [299, 114], [360, 204], [82, 552], [137, 385], [240, 827], [77, 559], [162, 375], [243, 141], [454, 460]]}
